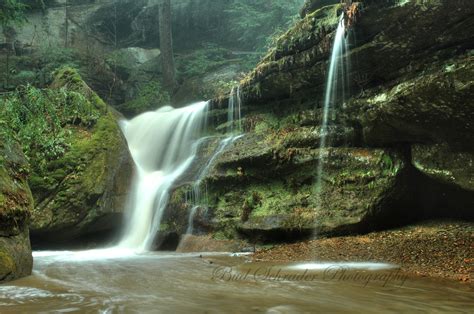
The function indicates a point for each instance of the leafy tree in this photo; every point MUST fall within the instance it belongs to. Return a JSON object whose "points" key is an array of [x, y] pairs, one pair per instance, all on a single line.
{"points": [[11, 13]]}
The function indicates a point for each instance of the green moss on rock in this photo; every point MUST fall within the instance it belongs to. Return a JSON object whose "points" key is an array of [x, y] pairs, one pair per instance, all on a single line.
{"points": [[84, 190], [261, 188], [7, 265], [16, 204]]}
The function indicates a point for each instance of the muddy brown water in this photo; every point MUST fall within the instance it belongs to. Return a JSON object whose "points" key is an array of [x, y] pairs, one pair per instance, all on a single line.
{"points": [[113, 282]]}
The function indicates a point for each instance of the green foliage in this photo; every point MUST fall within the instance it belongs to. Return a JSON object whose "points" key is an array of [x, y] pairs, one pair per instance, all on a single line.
{"points": [[253, 20], [38, 118], [390, 167], [25, 76], [51, 58], [150, 96], [37, 69], [250, 203], [272, 40], [202, 60], [217, 69], [12, 12]]}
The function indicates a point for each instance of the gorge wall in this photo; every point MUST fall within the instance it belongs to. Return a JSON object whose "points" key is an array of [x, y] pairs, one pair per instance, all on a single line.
{"points": [[400, 149]]}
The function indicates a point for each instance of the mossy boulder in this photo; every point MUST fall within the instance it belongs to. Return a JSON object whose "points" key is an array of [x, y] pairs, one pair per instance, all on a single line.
{"points": [[281, 194], [16, 204], [84, 190], [261, 189]]}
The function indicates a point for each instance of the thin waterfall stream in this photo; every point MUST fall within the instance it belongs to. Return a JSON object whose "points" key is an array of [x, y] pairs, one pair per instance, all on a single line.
{"points": [[234, 116], [336, 91]]}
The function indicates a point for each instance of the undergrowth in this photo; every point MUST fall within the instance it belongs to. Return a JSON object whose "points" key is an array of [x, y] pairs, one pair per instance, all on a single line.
{"points": [[38, 119]]}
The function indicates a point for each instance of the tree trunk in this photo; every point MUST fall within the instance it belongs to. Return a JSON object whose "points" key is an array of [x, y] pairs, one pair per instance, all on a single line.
{"points": [[166, 46], [9, 34], [66, 24]]}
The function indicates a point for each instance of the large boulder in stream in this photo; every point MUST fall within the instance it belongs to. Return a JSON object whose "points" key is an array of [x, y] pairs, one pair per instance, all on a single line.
{"points": [[16, 204], [83, 191]]}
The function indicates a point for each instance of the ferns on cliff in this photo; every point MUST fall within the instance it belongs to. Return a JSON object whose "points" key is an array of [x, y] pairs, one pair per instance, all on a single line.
{"points": [[37, 118]]}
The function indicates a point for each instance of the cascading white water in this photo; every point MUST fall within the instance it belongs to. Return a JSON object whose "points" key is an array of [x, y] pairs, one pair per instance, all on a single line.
{"points": [[336, 89], [234, 117], [196, 197], [163, 145], [337, 70]]}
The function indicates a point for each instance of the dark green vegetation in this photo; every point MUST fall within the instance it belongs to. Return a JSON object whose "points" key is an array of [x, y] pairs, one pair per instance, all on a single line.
{"points": [[11, 12], [16, 203], [76, 160], [114, 44], [85, 186]]}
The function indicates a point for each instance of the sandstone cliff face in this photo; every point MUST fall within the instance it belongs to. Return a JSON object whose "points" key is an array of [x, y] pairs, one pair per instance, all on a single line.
{"points": [[400, 147], [16, 204]]}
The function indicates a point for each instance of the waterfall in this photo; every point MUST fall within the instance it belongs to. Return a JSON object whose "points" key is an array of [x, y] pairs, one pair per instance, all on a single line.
{"points": [[163, 144], [336, 90], [234, 111], [233, 114]]}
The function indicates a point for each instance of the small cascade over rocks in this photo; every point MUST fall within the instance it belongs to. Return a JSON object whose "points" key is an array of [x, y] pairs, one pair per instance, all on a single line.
{"points": [[163, 144], [197, 197], [234, 115], [234, 130]]}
